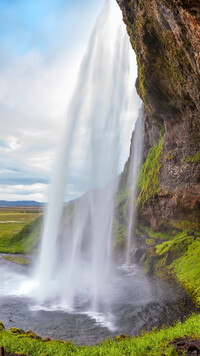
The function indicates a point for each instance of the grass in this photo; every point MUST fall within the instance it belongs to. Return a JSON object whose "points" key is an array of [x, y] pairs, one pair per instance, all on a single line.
{"points": [[12, 221], [193, 159], [141, 230], [25, 240], [180, 258], [155, 342], [187, 270], [18, 260], [148, 180], [193, 224], [19, 230]]}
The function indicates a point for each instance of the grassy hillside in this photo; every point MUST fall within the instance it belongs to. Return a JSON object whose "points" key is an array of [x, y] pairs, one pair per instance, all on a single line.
{"points": [[19, 230], [157, 342], [173, 256]]}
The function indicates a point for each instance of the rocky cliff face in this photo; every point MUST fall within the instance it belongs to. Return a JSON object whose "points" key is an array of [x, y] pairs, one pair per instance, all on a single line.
{"points": [[165, 34]]}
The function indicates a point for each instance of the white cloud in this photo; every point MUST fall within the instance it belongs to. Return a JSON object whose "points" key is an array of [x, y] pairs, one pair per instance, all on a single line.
{"points": [[24, 192], [33, 103], [35, 91]]}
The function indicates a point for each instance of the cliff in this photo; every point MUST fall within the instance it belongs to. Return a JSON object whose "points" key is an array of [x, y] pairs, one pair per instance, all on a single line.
{"points": [[165, 35]]}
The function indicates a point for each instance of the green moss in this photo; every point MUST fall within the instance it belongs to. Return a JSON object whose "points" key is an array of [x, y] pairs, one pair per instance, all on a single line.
{"points": [[150, 242], [148, 180], [193, 159], [155, 264], [178, 258], [187, 270], [147, 231], [162, 64], [155, 342], [2, 327], [176, 246], [119, 233], [33, 335], [184, 224], [139, 232], [18, 260], [141, 80], [169, 156], [16, 331], [158, 235]]}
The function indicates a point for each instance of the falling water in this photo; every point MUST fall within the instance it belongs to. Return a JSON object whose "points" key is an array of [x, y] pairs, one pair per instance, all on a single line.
{"points": [[76, 272], [135, 160], [75, 260]]}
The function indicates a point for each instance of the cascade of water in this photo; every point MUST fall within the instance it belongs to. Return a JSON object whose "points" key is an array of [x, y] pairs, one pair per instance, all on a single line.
{"points": [[75, 260], [135, 160]]}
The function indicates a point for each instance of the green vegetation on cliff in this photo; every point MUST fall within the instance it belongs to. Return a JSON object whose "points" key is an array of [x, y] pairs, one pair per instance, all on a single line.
{"points": [[156, 342], [119, 232], [193, 159], [187, 270], [148, 180], [175, 256]]}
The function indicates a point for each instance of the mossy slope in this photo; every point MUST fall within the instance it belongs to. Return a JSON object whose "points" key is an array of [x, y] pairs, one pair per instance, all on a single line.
{"points": [[24, 241], [148, 180], [156, 342], [174, 256]]}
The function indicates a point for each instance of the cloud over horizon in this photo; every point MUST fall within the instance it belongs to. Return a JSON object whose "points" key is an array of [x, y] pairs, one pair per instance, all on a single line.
{"points": [[43, 44], [42, 49]]}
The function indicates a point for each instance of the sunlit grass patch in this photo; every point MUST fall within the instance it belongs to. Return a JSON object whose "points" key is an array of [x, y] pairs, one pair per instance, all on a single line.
{"points": [[156, 342], [180, 257], [187, 270], [12, 221], [22, 241]]}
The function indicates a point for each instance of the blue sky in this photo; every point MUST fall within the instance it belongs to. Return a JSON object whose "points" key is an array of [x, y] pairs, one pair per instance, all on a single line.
{"points": [[42, 46], [44, 25]]}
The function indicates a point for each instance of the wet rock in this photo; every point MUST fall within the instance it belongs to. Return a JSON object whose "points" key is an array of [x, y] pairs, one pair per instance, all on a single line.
{"points": [[188, 345], [2, 327], [122, 337], [47, 339], [16, 331], [3, 352], [166, 38], [33, 335]]}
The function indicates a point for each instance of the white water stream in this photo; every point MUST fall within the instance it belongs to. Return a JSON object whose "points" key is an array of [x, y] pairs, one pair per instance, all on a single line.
{"points": [[75, 263], [77, 292], [75, 271], [135, 161]]}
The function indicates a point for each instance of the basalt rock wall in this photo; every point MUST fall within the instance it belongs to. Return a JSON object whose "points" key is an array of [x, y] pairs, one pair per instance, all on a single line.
{"points": [[165, 35]]}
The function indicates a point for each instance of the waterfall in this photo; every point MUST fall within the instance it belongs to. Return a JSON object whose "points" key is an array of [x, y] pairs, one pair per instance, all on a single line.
{"points": [[135, 161], [76, 252]]}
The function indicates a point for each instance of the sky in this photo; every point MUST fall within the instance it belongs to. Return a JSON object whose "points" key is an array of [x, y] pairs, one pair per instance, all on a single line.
{"points": [[42, 46]]}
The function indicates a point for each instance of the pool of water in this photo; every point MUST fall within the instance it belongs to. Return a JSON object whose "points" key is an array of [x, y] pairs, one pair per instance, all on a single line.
{"points": [[138, 303]]}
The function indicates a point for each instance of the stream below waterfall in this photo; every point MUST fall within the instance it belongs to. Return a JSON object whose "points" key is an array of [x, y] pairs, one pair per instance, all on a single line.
{"points": [[138, 303]]}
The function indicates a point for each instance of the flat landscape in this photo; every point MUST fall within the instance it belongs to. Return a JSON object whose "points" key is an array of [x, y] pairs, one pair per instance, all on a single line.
{"points": [[16, 225]]}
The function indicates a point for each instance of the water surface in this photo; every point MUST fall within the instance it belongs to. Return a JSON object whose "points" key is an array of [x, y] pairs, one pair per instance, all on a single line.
{"points": [[138, 303]]}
